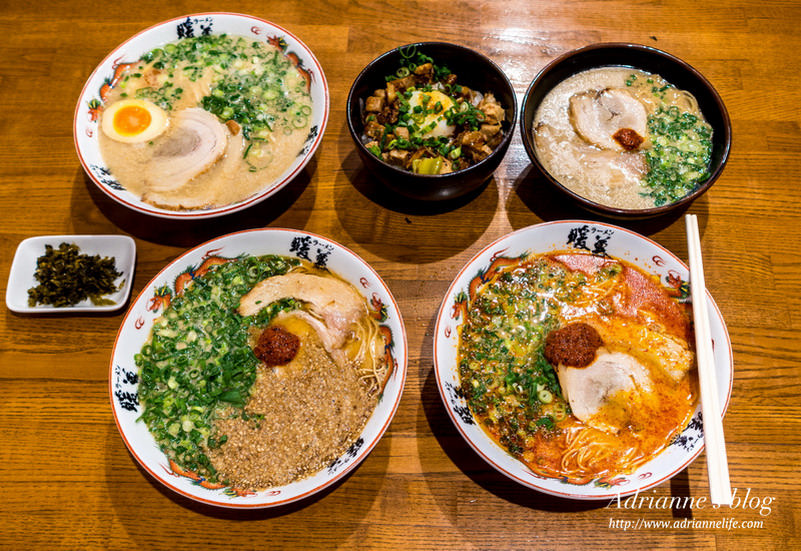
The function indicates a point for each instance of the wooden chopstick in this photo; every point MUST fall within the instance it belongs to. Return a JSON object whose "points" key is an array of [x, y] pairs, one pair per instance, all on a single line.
{"points": [[717, 465]]}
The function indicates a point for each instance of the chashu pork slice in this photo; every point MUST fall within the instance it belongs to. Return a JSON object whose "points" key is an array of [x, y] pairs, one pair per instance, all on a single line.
{"points": [[669, 353], [601, 394], [195, 142], [333, 301], [610, 119], [332, 340]]}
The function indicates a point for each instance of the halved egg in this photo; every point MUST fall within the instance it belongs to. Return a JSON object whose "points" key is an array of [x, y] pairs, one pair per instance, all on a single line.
{"points": [[434, 104], [133, 121]]}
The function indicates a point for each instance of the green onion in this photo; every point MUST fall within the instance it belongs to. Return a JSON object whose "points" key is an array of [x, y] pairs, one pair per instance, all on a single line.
{"points": [[198, 363], [679, 159]]}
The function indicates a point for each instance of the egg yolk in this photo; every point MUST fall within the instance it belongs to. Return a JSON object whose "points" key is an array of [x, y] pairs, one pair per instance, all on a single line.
{"points": [[131, 120], [431, 107]]}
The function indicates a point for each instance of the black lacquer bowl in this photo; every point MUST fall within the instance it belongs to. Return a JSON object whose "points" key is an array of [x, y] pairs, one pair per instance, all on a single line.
{"points": [[473, 70], [648, 59]]}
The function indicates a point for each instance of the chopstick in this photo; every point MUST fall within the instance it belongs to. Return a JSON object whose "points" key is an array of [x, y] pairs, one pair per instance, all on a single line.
{"points": [[716, 463]]}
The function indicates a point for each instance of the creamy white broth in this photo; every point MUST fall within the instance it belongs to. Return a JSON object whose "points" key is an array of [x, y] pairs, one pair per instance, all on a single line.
{"points": [[612, 177], [254, 155]]}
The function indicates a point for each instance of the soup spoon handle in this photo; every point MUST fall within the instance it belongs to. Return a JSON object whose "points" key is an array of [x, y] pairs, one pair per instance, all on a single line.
{"points": [[717, 466]]}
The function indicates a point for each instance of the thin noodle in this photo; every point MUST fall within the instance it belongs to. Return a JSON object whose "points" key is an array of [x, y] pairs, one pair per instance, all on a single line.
{"points": [[597, 292], [367, 335], [367, 360]]}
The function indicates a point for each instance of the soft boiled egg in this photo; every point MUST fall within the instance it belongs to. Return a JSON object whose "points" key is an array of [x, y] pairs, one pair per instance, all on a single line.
{"points": [[133, 121], [434, 104]]}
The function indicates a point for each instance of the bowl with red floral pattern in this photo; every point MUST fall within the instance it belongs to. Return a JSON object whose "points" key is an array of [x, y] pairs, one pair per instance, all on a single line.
{"points": [[565, 356], [201, 116], [258, 369]]}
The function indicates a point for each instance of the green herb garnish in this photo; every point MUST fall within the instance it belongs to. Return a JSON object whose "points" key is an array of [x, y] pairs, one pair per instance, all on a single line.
{"points": [[197, 366], [67, 277], [679, 159]]}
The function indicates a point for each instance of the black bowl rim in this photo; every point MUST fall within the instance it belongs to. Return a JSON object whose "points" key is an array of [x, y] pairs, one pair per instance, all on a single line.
{"points": [[614, 211], [501, 147]]}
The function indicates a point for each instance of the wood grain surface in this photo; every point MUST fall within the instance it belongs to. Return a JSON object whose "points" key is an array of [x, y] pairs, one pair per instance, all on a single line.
{"points": [[67, 479]]}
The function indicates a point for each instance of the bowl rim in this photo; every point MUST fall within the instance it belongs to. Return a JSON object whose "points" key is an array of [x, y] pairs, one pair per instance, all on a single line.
{"points": [[431, 177], [442, 314], [197, 214], [402, 367], [528, 143]]}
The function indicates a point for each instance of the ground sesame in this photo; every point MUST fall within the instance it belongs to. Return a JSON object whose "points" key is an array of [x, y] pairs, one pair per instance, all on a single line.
{"points": [[302, 417]]}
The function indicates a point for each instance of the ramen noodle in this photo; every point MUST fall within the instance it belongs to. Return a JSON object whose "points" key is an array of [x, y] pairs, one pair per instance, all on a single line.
{"points": [[205, 121], [577, 365]]}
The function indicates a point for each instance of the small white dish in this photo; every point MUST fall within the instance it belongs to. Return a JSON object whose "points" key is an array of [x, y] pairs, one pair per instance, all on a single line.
{"points": [[21, 278]]}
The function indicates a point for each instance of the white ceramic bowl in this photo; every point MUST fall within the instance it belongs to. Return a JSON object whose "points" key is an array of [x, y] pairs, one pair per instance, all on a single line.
{"points": [[21, 277], [135, 328], [86, 123], [588, 237]]}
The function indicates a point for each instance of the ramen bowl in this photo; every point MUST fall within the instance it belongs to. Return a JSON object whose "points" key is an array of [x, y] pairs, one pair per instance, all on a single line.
{"points": [[473, 70], [605, 242], [110, 75], [647, 59], [125, 376]]}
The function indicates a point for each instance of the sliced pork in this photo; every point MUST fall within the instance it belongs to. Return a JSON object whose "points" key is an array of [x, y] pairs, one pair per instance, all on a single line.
{"points": [[195, 143], [611, 118], [601, 393], [333, 301]]}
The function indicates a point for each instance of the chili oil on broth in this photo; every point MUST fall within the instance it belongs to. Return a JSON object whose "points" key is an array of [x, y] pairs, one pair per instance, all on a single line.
{"points": [[259, 109], [218, 410], [670, 162], [523, 402]]}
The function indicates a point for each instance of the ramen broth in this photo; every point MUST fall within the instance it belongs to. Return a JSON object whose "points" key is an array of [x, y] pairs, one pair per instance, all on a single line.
{"points": [[584, 137], [236, 115], [569, 421]]}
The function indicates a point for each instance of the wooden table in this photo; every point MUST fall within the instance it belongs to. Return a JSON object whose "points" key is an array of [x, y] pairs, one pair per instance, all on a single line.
{"points": [[67, 478]]}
